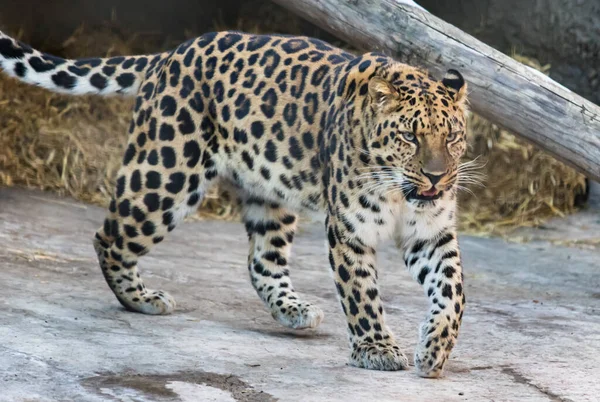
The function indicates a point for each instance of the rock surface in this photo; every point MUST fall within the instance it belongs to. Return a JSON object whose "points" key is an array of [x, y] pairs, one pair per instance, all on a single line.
{"points": [[531, 329]]}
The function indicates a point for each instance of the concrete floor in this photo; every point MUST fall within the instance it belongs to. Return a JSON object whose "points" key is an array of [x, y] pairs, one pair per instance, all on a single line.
{"points": [[531, 329]]}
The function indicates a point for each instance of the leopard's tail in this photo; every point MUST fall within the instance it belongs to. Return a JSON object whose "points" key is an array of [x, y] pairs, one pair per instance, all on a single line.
{"points": [[102, 76]]}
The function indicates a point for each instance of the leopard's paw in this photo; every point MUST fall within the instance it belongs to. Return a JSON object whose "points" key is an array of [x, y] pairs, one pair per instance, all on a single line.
{"points": [[381, 355], [298, 315], [433, 350], [152, 302]]}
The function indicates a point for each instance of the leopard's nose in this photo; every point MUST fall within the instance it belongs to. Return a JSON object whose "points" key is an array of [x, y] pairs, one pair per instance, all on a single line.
{"points": [[434, 177]]}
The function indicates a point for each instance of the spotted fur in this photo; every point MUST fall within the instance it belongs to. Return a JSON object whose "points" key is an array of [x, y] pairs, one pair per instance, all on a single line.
{"points": [[293, 124]]}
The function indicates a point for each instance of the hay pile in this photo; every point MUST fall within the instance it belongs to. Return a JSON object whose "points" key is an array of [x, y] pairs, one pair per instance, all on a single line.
{"points": [[68, 145], [523, 185], [74, 145]]}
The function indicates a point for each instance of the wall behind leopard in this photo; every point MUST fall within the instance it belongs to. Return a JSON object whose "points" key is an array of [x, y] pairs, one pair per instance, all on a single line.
{"points": [[562, 33], [51, 20]]}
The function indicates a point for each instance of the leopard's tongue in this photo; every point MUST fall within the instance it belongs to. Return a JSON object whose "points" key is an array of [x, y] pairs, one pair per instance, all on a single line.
{"points": [[430, 193]]}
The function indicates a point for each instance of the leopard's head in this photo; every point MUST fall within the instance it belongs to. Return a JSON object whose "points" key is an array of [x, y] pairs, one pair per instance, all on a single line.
{"points": [[419, 130]]}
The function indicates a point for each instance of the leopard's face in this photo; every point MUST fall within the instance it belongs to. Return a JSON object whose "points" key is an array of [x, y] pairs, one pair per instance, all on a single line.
{"points": [[419, 132]]}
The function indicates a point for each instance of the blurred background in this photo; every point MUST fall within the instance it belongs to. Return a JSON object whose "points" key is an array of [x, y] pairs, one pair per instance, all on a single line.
{"points": [[73, 146]]}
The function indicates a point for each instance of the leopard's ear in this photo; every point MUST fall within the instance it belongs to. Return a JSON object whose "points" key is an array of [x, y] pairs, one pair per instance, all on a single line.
{"points": [[456, 85], [382, 93]]}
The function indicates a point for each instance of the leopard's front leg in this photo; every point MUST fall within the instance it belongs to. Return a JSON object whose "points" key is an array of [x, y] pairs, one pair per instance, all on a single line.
{"points": [[434, 261], [355, 274]]}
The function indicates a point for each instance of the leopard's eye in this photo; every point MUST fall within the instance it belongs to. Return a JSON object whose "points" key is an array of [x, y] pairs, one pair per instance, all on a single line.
{"points": [[408, 136], [452, 136]]}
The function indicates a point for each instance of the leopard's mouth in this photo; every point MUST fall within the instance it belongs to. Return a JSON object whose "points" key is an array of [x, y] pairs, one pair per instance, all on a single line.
{"points": [[427, 195]]}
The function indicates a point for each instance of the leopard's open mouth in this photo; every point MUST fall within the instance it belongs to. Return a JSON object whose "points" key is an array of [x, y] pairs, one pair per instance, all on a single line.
{"points": [[428, 195]]}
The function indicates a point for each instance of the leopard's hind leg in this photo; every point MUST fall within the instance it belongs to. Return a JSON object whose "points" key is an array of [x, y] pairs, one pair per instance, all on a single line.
{"points": [[271, 230], [119, 266], [149, 201]]}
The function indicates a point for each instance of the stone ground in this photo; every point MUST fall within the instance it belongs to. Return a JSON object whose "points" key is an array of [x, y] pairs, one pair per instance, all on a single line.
{"points": [[531, 329]]}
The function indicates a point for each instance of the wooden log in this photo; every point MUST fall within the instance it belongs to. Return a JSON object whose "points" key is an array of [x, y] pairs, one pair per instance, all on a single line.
{"points": [[504, 91]]}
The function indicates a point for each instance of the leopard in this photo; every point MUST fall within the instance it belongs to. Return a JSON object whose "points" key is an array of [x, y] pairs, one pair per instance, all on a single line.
{"points": [[294, 124]]}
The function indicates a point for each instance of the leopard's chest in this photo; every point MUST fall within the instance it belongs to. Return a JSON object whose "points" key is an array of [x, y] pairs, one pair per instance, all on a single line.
{"points": [[425, 221]]}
